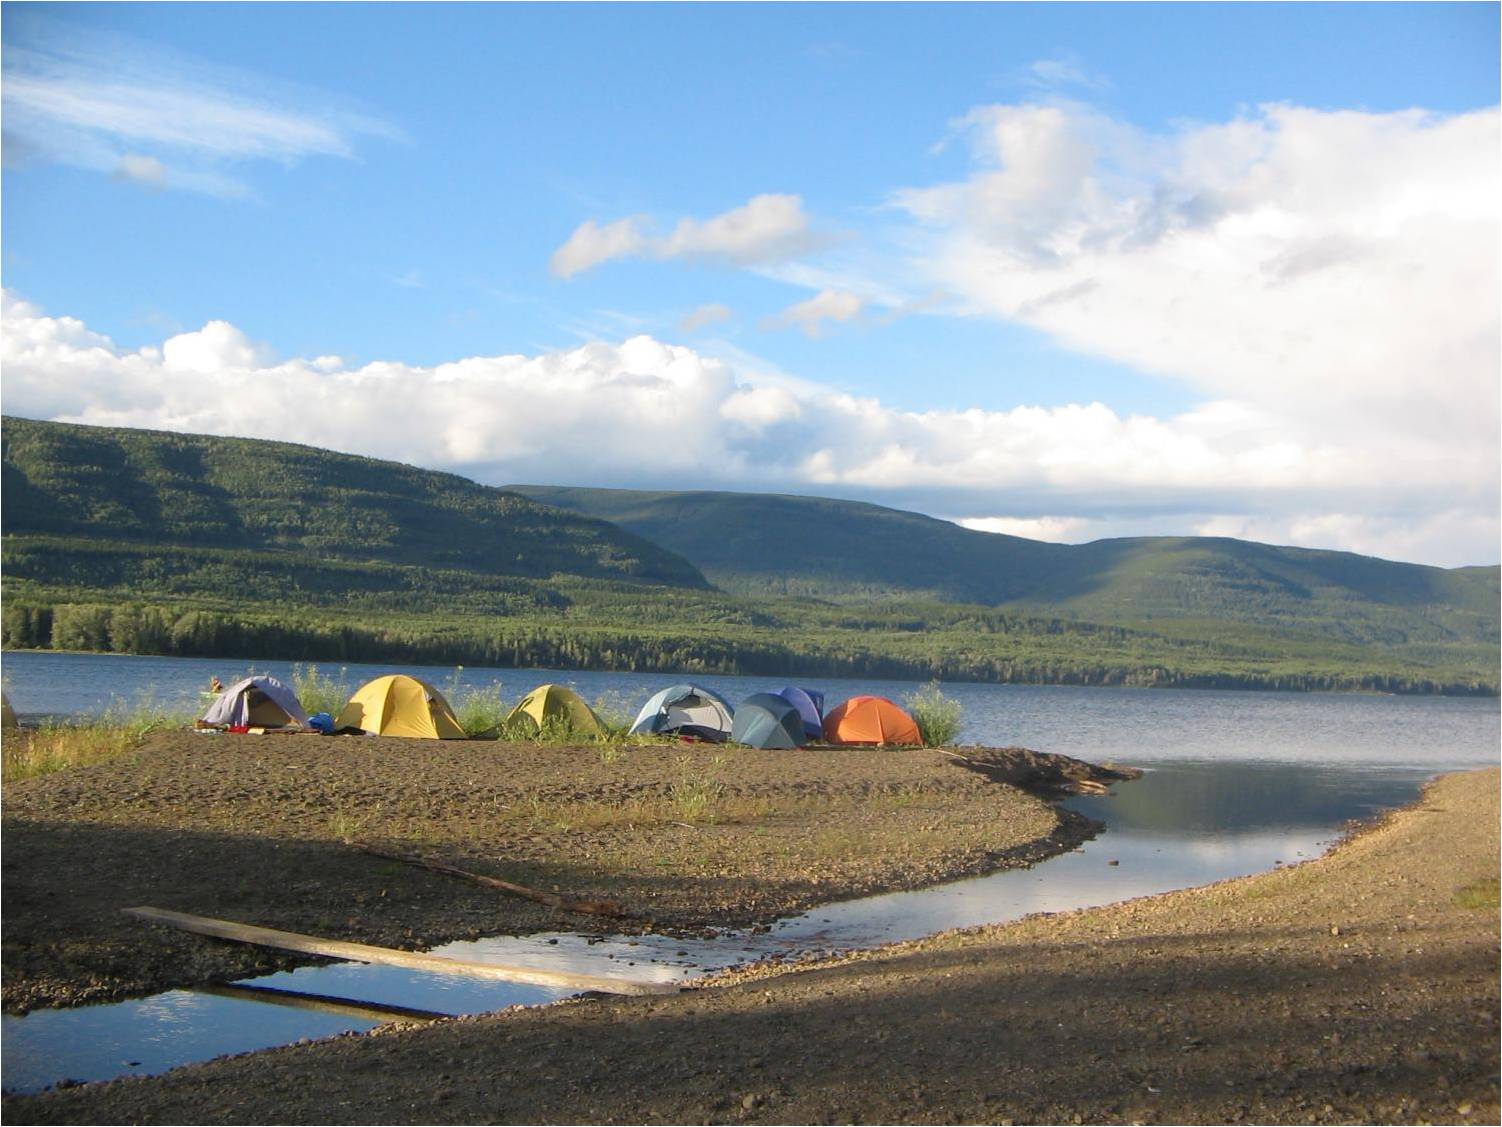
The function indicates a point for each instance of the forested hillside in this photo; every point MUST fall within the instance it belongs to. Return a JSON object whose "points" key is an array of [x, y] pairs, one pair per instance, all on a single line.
{"points": [[756, 543], [135, 487]]}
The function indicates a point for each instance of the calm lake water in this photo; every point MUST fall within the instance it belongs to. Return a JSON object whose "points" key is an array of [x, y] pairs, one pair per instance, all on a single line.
{"points": [[1236, 783]]}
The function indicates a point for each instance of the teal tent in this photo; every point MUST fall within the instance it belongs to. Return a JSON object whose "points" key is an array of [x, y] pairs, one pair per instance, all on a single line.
{"points": [[767, 720]]}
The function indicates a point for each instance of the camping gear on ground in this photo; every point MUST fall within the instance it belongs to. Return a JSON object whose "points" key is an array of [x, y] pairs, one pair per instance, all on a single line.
{"points": [[870, 720], [686, 710], [398, 705], [321, 722], [7, 713], [556, 706], [810, 706], [259, 701], [767, 720]]}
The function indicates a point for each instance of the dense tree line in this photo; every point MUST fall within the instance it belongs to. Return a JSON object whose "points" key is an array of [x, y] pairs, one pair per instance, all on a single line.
{"points": [[196, 632]]}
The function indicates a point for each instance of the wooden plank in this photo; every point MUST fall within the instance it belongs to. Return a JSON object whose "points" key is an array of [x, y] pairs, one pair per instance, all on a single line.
{"points": [[321, 1003], [389, 956]]}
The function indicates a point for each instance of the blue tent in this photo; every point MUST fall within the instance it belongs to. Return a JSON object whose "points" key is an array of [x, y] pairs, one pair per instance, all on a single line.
{"points": [[686, 710], [767, 720], [810, 706]]}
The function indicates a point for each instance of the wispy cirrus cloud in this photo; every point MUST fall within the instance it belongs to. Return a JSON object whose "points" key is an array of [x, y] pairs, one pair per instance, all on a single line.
{"points": [[117, 105], [766, 229]]}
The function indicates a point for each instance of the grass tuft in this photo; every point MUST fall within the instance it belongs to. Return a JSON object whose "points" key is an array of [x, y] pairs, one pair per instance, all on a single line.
{"points": [[480, 712], [938, 717], [1483, 893]]}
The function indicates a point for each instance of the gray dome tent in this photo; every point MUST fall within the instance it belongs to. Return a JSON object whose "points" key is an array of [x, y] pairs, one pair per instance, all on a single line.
{"points": [[685, 710], [260, 701], [767, 720]]}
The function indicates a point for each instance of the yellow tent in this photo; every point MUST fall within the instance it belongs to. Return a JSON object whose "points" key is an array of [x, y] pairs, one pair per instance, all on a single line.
{"points": [[558, 706], [398, 705]]}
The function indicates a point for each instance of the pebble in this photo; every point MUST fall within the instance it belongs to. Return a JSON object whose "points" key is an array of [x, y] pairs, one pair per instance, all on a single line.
{"points": [[750, 1101]]}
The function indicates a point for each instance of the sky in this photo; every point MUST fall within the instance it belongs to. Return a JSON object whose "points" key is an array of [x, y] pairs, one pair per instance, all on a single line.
{"points": [[1065, 271]]}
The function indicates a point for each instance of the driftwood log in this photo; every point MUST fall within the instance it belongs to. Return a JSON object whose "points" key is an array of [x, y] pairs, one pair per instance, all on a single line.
{"points": [[1040, 772], [551, 899]]}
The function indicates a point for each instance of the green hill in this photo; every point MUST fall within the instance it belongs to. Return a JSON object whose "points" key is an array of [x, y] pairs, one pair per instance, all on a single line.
{"points": [[142, 542], [759, 544], [131, 488]]}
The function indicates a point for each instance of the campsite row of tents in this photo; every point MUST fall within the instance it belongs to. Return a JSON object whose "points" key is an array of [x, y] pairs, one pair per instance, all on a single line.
{"points": [[398, 705]]}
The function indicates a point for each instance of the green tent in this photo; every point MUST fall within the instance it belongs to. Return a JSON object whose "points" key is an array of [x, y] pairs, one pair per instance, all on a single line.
{"points": [[556, 706]]}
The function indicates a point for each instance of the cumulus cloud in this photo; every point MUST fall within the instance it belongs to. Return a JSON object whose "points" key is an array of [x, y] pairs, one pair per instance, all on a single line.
{"points": [[1338, 269], [704, 316], [657, 415], [766, 229], [117, 105], [810, 315]]}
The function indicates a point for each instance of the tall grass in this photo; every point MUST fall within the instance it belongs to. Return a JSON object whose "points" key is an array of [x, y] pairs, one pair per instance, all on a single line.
{"points": [[60, 744], [318, 692], [480, 712], [938, 717]]}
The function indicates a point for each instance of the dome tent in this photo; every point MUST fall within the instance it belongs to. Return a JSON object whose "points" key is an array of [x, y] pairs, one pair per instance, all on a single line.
{"points": [[810, 706], [767, 720], [686, 710], [870, 720], [556, 706], [398, 705], [258, 701]]}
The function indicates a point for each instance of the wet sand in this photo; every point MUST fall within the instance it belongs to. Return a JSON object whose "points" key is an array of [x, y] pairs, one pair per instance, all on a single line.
{"points": [[261, 829], [1360, 987]]}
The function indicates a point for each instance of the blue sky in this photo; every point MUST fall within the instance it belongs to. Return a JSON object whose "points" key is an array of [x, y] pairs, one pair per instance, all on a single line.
{"points": [[919, 210]]}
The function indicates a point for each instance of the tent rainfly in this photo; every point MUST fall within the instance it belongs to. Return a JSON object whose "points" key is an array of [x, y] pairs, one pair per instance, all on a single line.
{"points": [[767, 720], [556, 705], [398, 705], [810, 706], [259, 701], [870, 720], [686, 710]]}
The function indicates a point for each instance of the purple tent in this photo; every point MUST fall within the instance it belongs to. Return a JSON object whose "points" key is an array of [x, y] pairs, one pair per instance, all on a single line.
{"points": [[260, 701], [810, 706]]}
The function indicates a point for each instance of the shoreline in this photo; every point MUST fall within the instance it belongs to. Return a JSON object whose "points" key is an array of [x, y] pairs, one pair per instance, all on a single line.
{"points": [[266, 829], [1360, 986]]}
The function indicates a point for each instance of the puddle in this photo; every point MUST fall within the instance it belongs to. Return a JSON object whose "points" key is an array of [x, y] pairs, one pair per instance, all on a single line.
{"points": [[1181, 825]]}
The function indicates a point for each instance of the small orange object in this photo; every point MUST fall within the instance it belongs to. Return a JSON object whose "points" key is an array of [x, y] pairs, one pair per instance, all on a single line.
{"points": [[870, 720]]}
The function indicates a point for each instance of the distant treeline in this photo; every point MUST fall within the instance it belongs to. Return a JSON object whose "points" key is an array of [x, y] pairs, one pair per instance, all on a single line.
{"points": [[1056, 658]]}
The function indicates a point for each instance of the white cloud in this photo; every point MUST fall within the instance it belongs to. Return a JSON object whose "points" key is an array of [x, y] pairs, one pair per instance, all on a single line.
{"points": [[657, 415], [592, 244], [766, 229], [704, 316], [1336, 269], [810, 315], [1058, 530], [117, 105], [143, 170]]}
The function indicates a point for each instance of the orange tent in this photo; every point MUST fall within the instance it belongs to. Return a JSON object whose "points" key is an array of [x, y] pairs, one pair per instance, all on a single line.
{"points": [[870, 720]]}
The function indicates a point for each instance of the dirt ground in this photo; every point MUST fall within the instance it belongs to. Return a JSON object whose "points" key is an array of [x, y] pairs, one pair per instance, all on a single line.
{"points": [[259, 829], [1360, 987]]}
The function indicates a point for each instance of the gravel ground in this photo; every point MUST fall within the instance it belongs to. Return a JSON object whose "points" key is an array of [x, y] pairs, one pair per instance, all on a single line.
{"points": [[259, 829], [1361, 987]]}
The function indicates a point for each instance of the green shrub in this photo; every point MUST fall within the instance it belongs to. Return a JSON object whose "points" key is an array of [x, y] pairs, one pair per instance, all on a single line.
{"points": [[938, 717]]}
